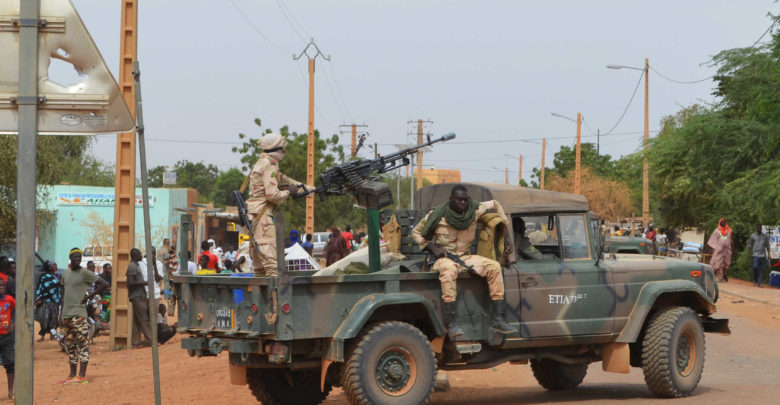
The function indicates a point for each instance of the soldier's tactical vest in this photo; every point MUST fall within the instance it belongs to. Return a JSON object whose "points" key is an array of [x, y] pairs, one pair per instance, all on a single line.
{"points": [[491, 237]]}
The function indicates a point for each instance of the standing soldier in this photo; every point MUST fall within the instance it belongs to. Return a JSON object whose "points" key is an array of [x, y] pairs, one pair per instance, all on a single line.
{"points": [[264, 195], [451, 228]]}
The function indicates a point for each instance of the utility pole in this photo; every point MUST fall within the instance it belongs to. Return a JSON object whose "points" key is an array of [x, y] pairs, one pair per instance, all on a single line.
{"points": [[27, 146], [354, 128], [544, 146], [124, 204], [376, 151], [506, 175], [420, 152], [520, 170], [646, 168], [598, 142], [577, 164], [310, 144]]}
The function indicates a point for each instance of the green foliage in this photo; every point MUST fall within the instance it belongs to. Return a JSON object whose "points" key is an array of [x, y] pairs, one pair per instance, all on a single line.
{"points": [[723, 161], [565, 160], [199, 176], [155, 175], [335, 210], [59, 159], [222, 194]]}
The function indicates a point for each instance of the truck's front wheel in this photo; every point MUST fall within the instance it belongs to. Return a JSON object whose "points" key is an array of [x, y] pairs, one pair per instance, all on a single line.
{"points": [[392, 363], [284, 387], [554, 375], [673, 352]]}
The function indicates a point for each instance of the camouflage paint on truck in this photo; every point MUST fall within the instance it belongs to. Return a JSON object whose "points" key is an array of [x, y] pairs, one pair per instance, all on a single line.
{"points": [[572, 307]]}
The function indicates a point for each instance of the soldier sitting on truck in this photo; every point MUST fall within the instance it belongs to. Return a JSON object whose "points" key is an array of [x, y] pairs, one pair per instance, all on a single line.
{"points": [[451, 228], [264, 195]]}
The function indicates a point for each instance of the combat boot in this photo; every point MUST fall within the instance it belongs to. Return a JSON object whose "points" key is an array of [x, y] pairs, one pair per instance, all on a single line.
{"points": [[453, 330], [499, 324]]}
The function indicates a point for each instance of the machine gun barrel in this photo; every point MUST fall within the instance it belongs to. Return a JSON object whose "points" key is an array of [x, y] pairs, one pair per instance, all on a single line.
{"points": [[344, 178], [393, 158]]}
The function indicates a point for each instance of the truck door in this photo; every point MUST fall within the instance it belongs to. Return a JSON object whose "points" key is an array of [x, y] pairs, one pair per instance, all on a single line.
{"points": [[565, 293]]}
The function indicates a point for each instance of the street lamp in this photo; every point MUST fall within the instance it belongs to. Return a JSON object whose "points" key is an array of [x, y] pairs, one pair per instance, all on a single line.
{"points": [[577, 159], [645, 169]]}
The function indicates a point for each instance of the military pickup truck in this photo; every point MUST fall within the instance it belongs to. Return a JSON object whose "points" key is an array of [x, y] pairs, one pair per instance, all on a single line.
{"points": [[380, 336]]}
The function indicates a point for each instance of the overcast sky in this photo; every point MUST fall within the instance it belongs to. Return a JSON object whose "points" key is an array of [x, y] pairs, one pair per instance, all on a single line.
{"points": [[490, 71]]}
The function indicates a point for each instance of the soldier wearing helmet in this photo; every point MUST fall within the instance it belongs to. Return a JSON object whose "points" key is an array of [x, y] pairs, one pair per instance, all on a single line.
{"points": [[264, 196]]}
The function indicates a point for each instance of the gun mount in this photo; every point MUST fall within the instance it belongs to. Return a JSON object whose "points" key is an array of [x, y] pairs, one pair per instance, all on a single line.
{"points": [[358, 177]]}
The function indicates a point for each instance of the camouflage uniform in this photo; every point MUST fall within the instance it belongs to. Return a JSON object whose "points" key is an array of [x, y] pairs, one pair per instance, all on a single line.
{"points": [[264, 195], [459, 242], [77, 340]]}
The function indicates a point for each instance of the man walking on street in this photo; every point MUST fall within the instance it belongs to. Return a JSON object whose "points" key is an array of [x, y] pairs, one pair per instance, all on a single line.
{"points": [[759, 252], [264, 196], [137, 295], [450, 228], [75, 284]]}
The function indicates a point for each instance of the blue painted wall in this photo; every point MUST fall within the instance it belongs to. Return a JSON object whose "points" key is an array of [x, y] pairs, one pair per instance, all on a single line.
{"points": [[75, 212]]}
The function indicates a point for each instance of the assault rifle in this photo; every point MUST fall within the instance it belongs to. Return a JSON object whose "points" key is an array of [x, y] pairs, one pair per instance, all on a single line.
{"points": [[430, 259], [356, 177], [243, 215]]}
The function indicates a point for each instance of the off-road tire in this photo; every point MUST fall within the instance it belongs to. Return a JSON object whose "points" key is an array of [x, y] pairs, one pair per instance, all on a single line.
{"points": [[673, 352], [392, 363], [284, 387], [557, 376]]}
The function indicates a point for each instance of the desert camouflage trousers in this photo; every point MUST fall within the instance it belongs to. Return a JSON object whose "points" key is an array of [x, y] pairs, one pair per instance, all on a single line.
{"points": [[77, 339], [448, 275], [264, 233]]}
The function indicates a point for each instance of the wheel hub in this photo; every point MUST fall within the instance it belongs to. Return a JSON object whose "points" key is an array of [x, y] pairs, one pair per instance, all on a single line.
{"points": [[393, 371], [686, 355]]}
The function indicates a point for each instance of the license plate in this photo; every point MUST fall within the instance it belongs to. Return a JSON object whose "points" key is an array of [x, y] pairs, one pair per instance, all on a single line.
{"points": [[226, 318]]}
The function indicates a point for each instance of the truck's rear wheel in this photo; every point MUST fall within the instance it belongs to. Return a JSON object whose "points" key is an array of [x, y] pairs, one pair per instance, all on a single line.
{"points": [[285, 387], [556, 376], [392, 363], [673, 352]]}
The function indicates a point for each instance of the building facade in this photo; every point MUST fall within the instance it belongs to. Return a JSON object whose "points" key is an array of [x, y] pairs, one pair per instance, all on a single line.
{"points": [[83, 216]]}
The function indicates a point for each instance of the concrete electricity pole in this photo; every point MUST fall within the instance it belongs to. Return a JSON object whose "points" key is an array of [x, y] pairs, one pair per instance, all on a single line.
{"points": [[420, 152], [124, 205], [577, 158], [577, 164], [310, 144], [541, 180], [645, 167], [354, 128], [520, 170]]}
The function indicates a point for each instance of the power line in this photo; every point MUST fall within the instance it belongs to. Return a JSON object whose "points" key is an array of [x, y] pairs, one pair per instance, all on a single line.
{"points": [[765, 32], [254, 27], [284, 13], [627, 105], [679, 81], [338, 89], [710, 77]]}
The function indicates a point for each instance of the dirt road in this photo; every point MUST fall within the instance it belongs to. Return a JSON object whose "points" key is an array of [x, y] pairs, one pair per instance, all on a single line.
{"points": [[743, 367]]}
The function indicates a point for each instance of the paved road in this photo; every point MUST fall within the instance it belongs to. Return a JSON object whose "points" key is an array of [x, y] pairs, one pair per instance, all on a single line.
{"points": [[742, 367]]}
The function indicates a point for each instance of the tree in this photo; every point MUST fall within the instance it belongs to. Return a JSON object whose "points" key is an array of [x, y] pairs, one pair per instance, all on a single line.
{"points": [[722, 161], [59, 159], [610, 198], [199, 176], [222, 194], [156, 176], [565, 160]]}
